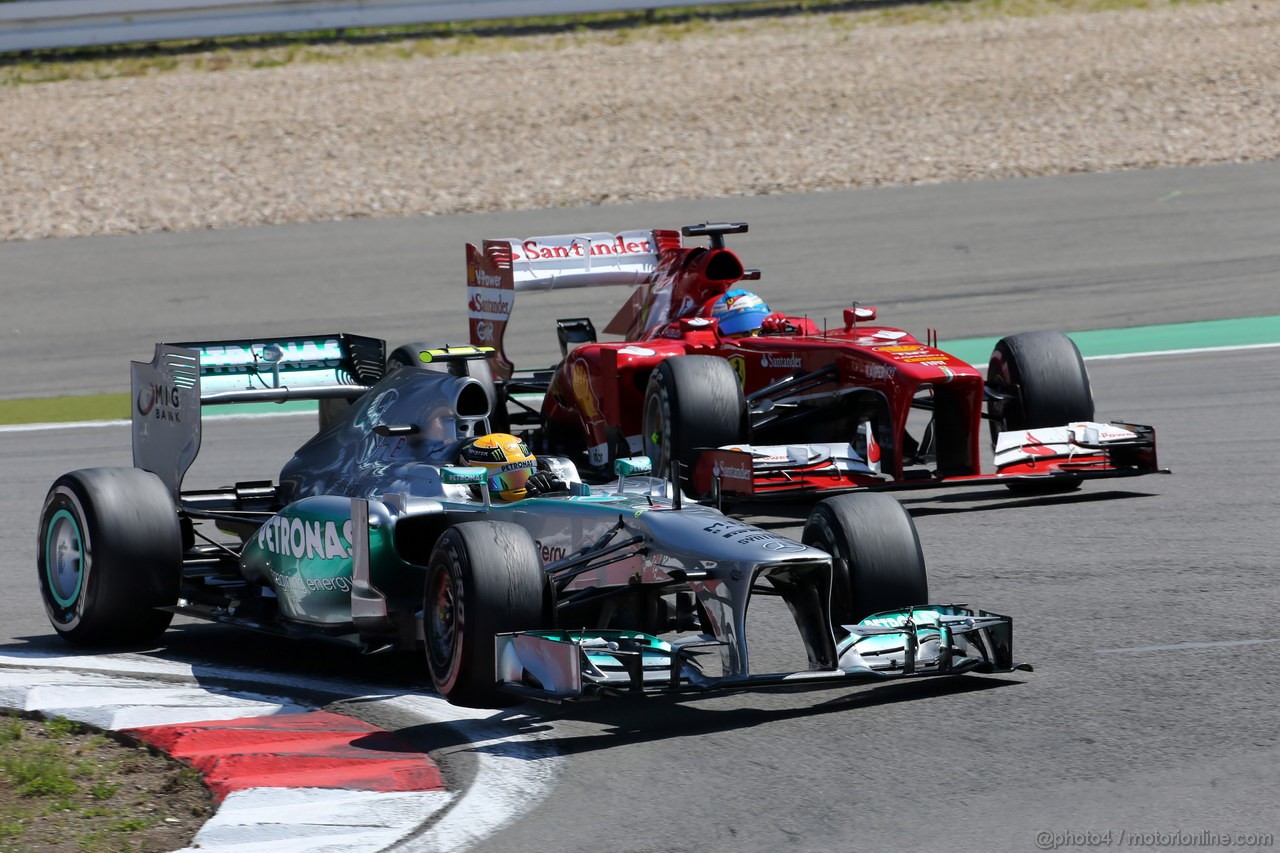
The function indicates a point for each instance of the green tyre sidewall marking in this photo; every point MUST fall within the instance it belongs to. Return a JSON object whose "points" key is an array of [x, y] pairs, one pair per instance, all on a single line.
{"points": [[51, 561]]}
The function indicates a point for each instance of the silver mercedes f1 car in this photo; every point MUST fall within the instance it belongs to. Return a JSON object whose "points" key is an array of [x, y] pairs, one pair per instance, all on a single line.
{"points": [[373, 535]]}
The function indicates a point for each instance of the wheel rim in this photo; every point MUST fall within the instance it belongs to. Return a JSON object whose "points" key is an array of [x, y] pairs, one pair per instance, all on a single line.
{"points": [[64, 558], [445, 623], [1000, 379], [657, 442], [819, 534]]}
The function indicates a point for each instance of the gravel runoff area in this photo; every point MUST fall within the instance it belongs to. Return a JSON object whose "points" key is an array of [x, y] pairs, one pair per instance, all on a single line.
{"points": [[730, 108]]}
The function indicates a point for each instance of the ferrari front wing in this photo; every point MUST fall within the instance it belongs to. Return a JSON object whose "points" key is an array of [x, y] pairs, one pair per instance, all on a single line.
{"points": [[1078, 451]]}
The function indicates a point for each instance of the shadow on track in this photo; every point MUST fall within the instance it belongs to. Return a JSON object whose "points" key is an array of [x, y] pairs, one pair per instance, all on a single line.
{"points": [[660, 718], [774, 515], [621, 720]]}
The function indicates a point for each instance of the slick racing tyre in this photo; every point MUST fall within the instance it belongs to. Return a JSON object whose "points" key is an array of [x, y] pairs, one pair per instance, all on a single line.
{"points": [[1042, 382], [877, 562], [407, 356], [478, 369], [483, 578], [692, 401], [109, 553]]}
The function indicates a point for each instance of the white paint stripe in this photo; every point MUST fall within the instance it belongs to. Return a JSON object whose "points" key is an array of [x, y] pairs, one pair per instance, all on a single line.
{"points": [[60, 425], [1178, 647], [514, 770], [122, 703], [1189, 351], [983, 367], [512, 778], [243, 416], [115, 664], [315, 820]]}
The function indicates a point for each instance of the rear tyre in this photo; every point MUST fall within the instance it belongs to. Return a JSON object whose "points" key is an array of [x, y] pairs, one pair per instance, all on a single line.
{"points": [[692, 401], [877, 562], [483, 578], [480, 370], [109, 552], [1044, 377], [407, 356]]}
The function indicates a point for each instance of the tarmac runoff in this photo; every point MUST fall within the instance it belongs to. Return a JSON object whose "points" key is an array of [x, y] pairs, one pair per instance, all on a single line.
{"points": [[262, 754], [288, 777]]}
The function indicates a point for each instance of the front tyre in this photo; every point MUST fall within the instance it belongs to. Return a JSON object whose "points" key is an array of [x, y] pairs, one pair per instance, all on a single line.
{"points": [[691, 401], [483, 578], [109, 552], [877, 562], [1041, 381]]}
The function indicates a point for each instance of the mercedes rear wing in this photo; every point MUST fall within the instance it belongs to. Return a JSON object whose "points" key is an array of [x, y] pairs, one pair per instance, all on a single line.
{"points": [[169, 392], [499, 268]]}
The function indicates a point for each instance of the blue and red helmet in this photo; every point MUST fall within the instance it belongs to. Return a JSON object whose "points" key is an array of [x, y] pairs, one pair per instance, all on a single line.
{"points": [[739, 312]]}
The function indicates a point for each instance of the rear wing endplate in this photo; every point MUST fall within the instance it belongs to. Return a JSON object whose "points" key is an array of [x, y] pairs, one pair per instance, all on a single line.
{"points": [[169, 392], [499, 268]]}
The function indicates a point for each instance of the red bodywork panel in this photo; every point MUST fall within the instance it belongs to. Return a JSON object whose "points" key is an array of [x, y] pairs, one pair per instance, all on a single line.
{"points": [[598, 390], [596, 394]]}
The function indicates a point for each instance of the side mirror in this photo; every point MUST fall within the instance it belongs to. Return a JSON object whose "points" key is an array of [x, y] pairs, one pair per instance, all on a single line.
{"points": [[457, 475], [858, 314], [454, 475], [634, 466]]}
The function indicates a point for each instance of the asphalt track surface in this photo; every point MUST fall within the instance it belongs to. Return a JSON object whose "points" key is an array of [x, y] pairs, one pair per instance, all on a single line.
{"points": [[1146, 605]]}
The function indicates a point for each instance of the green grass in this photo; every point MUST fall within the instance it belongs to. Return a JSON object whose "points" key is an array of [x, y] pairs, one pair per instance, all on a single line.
{"points": [[67, 786], [10, 730], [103, 791], [39, 410], [60, 727], [36, 769]]}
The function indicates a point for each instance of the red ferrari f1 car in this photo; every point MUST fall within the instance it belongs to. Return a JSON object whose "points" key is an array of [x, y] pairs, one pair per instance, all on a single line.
{"points": [[750, 404]]}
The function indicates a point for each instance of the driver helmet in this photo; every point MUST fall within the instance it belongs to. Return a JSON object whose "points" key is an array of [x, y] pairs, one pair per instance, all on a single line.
{"points": [[506, 458], [739, 312]]}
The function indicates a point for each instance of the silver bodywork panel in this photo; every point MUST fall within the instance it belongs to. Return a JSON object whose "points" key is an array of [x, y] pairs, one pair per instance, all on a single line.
{"points": [[332, 558]]}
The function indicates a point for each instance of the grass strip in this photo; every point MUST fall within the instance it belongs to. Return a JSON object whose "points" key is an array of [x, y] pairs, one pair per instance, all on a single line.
{"points": [[1245, 331], [42, 410], [67, 786]]}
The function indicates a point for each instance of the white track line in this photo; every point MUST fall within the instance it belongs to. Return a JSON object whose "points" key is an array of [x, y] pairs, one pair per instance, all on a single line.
{"points": [[87, 424], [514, 776], [245, 416], [315, 820], [1181, 647], [1188, 351]]}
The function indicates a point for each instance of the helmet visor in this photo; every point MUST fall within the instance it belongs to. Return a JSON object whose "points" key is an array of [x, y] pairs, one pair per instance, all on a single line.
{"points": [[511, 477]]}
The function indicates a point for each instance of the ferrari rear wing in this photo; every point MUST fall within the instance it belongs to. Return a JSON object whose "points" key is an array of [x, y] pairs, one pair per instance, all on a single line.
{"points": [[499, 268], [1073, 452], [169, 391]]}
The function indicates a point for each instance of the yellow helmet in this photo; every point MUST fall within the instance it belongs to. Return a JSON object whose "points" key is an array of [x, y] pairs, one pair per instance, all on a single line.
{"points": [[507, 459]]}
